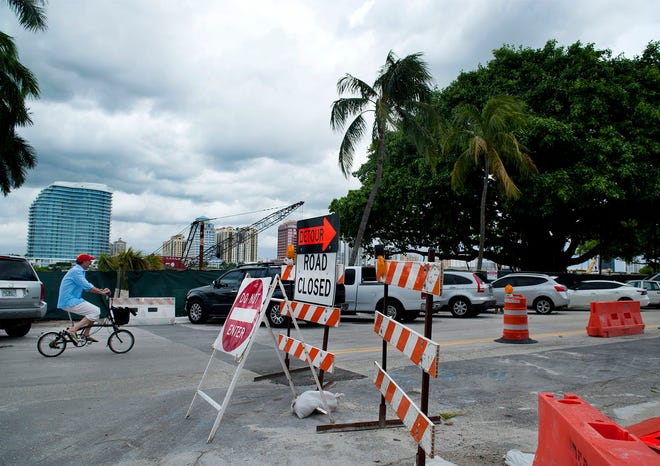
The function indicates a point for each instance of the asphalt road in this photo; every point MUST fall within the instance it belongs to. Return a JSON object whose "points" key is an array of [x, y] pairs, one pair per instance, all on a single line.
{"points": [[91, 406]]}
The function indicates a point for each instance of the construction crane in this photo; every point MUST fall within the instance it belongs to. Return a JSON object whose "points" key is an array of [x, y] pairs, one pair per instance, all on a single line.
{"points": [[220, 249]]}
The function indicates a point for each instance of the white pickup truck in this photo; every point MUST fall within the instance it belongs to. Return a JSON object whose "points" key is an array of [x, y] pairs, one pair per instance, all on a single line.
{"points": [[365, 294]]}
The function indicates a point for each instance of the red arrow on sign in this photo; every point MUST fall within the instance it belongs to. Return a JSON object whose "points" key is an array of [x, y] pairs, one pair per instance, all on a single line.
{"points": [[322, 234]]}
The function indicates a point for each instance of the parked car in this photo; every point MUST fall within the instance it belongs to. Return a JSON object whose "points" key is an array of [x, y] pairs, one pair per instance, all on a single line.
{"points": [[652, 290], [21, 296], [217, 298], [655, 277], [581, 295], [542, 292], [464, 294]]}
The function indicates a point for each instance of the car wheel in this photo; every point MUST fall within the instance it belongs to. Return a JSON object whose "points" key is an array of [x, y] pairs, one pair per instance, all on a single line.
{"points": [[543, 305], [460, 307], [18, 330], [394, 311], [196, 312], [275, 319]]}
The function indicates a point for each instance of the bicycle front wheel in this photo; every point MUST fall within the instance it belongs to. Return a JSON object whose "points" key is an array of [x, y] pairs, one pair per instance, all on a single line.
{"points": [[51, 344], [121, 341]]}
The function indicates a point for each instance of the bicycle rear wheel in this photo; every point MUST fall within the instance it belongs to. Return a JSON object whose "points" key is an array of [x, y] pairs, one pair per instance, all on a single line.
{"points": [[51, 344], [121, 341]]}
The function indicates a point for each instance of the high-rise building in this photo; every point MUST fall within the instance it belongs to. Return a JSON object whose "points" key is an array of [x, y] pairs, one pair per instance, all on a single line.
{"points": [[286, 234], [67, 219], [117, 247], [205, 227], [174, 246], [238, 245]]}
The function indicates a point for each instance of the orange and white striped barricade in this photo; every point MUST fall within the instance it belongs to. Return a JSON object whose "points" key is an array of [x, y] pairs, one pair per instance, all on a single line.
{"points": [[420, 350], [307, 353], [288, 272], [419, 276], [318, 314], [425, 277], [421, 428]]}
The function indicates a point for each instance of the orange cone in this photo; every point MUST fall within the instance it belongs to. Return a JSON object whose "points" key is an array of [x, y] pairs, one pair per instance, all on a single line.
{"points": [[515, 329]]}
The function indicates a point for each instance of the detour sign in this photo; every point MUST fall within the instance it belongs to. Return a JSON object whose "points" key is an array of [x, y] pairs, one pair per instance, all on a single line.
{"points": [[243, 318]]}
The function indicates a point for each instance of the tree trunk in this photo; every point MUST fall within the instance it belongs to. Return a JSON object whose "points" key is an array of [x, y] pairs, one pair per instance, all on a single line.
{"points": [[380, 154], [482, 213]]}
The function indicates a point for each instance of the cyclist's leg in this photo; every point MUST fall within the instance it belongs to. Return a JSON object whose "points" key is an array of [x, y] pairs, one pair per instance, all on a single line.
{"points": [[90, 314]]}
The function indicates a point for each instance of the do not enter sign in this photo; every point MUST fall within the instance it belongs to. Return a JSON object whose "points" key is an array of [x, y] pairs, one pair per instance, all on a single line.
{"points": [[243, 318]]}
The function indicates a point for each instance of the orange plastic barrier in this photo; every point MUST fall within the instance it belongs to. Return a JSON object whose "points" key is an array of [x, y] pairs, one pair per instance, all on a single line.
{"points": [[648, 432], [572, 432], [614, 319], [515, 329]]}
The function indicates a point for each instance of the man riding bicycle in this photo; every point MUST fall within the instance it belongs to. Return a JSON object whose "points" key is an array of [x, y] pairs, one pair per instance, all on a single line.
{"points": [[71, 288]]}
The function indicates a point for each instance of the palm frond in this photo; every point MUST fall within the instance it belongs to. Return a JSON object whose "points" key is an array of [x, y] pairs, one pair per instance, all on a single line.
{"points": [[353, 85], [31, 13], [344, 108], [353, 134]]}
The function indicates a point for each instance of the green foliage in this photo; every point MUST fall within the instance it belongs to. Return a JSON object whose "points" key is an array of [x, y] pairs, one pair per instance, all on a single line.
{"points": [[17, 84], [414, 208], [593, 134], [485, 142], [128, 261]]}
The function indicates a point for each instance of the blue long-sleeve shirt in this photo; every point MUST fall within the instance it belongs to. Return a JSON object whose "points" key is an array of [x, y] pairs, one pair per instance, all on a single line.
{"points": [[72, 286]]}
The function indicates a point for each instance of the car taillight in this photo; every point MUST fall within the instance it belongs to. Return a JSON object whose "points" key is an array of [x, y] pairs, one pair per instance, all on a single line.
{"points": [[43, 292], [560, 288], [478, 280]]}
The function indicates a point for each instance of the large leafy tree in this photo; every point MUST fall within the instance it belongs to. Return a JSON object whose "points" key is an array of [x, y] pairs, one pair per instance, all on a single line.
{"points": [[595, 138], [396, 101], [486, 143], [594, 135], [17, 84]]}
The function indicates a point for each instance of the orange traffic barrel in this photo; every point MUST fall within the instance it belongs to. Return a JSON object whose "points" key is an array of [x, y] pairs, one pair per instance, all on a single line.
{"points": [[515, 329]]}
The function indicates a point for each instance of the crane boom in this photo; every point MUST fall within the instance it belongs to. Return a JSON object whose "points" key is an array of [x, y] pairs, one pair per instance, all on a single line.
{"points": [[245, 235]]}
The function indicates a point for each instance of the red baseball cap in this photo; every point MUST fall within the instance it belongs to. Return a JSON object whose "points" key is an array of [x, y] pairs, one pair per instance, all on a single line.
{"points": [[84, 257]]}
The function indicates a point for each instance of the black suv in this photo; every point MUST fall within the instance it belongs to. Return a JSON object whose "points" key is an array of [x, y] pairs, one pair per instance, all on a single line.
{"points": [[21, 296], [216, 299]]}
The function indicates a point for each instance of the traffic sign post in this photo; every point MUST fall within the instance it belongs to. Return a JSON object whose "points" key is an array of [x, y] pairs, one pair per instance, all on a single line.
{"points": [[316, 276], [237, 336], [244, 314]]}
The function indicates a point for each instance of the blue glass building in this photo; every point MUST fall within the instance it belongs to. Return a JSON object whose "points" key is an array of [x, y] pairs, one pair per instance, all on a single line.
{"points": [[67, 219]]}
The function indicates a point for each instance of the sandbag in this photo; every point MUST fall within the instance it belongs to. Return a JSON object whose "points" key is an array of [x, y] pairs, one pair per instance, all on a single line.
{"points": [[309, 401]]}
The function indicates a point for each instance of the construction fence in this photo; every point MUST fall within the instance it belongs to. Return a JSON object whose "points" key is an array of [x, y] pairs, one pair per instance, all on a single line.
{"points": [[149, 284]]}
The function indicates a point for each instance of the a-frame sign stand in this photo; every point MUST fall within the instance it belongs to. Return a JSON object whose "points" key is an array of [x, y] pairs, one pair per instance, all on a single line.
{"points": [[237, 338]]}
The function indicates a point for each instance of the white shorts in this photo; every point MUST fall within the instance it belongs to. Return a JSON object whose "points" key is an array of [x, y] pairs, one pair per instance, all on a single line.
{"points": [[86, 309]]}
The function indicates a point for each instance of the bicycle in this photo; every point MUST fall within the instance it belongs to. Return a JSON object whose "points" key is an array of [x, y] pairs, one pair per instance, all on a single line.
{"points": [[120, 341]]}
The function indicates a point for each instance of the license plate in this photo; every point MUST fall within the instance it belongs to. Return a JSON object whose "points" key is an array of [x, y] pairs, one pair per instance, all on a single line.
{"points": [[8, 293]]}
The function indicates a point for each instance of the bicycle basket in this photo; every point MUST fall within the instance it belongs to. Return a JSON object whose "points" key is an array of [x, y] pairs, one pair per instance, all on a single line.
{"points": [[121, 315]]}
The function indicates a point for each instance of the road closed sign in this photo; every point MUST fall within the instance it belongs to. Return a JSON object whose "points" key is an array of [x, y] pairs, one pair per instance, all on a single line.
{"points": [[316, 272], [244, 316]]}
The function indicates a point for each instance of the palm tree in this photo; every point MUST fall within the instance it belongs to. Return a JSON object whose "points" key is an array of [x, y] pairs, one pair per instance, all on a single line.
{"points": [[396, 100], [17, 84], [487, 143]]}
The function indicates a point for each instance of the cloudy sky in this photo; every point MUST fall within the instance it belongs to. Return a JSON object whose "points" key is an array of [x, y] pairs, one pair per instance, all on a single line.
{"points": [[222, 108]]}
